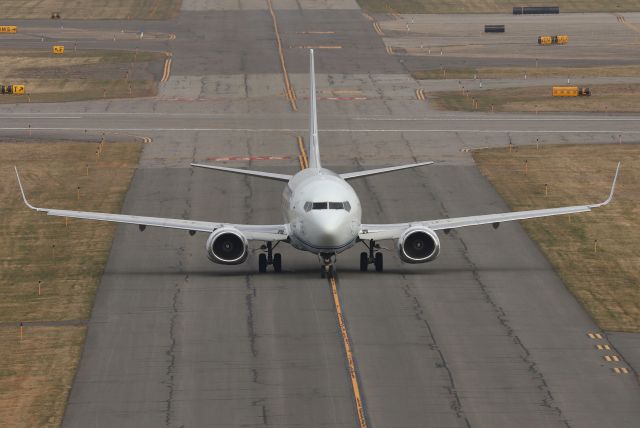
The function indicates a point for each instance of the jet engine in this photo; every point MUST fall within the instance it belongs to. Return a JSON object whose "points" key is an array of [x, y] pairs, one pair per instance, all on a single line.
{"points": [[227, 246], [418, 244]]}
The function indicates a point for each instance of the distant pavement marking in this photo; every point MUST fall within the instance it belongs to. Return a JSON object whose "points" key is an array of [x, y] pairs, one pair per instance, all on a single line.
{"points": [[474, 131], [594, 335], [247, 158], [317, 47], [347, 347], [420, 94], [377, 29], [316, 32], [289, 91], [602, 347], [302, 157], [620, 370], [166, 72], [611, 358]]}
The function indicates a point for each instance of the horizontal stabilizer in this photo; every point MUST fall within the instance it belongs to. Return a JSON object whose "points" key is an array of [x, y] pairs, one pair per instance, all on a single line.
{"points": [[267, 175], [357, 174]]}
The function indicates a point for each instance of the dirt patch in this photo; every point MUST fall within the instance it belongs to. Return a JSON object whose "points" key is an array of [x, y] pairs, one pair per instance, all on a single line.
{"points": [[531, 73], [606, 278]]}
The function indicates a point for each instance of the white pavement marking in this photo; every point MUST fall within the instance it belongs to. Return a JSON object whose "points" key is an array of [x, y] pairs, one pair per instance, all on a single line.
{"points": [[486, 131]]}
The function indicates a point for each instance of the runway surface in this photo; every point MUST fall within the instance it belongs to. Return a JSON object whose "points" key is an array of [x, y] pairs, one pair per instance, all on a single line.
{"points": [[485, 336]]}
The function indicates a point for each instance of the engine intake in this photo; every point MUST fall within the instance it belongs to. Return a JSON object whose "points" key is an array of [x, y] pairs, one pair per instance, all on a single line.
{"points": [[227, 246], [418, 244]]}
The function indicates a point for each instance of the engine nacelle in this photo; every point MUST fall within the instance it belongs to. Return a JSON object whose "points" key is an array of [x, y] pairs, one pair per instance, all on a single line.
{"points": [[227, 246], [418, 244]]}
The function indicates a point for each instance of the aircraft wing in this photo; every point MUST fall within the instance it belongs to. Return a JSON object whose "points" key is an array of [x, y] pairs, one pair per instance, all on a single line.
{"points": [[275, 232], [393, 231], [368, 172]]}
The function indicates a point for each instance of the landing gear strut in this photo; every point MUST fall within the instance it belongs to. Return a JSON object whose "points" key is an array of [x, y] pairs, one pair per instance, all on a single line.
{"points": [[269, 258], [373, 257]]}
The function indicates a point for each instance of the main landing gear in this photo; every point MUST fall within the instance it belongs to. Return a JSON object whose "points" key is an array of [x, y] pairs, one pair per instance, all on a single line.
{"points": [[373, 257], [269, 258]]}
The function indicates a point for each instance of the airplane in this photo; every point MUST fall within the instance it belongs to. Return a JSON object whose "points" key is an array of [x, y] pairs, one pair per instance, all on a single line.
{"points": [[322, 215]]}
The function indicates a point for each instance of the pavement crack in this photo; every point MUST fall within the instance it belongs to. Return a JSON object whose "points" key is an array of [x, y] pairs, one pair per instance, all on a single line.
{"points": [[456, 404], [251, 333], [548, 400], [172, 347]]}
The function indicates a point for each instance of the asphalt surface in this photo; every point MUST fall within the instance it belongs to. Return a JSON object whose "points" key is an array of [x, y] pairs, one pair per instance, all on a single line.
{"points": [[487, 335]]}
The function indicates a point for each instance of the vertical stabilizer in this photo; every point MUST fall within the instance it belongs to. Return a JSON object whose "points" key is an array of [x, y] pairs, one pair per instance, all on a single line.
{"points": [[314, 149]]}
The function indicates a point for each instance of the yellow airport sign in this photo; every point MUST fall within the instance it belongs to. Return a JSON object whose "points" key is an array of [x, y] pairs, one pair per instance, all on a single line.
{"points": [[8, 29], [18, 89], [58, 49]]}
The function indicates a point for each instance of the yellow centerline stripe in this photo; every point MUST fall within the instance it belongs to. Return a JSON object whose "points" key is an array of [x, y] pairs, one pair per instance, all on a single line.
{"points": [[304, 160], [347, 347], [317, 47], [288, 88]]}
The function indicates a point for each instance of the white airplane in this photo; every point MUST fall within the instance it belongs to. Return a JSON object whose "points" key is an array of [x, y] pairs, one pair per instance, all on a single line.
{"points": [[322, 215]]}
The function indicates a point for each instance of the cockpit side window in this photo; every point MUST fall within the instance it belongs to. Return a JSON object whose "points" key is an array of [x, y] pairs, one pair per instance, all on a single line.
{"points": [[347, 206], [307, 206]]}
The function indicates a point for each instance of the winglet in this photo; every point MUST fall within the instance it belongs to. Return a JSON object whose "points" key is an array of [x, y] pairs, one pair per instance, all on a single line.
{"points": [[613, 188], [24, 198]]}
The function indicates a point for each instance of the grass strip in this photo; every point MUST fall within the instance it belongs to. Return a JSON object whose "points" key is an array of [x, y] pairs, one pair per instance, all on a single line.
{"points": [[623, 98], [606, 279], [68, 260]]}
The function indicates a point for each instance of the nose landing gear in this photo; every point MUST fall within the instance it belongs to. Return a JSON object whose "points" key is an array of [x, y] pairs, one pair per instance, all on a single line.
{"points": [[328, 267], [373, 257], [269, 258]]}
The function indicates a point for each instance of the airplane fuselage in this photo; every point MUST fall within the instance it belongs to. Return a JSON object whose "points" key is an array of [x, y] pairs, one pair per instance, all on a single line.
{"points": [[322, 210]]}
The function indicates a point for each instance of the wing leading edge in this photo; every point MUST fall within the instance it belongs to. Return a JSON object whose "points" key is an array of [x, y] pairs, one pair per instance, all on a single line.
{"points": [[276, 232], [393, 231]]}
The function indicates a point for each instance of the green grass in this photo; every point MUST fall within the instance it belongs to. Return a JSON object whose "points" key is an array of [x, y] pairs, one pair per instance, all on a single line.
{"points": [[604, 98], [36, 372], [493, 6], [90, 9], [606, 281]]}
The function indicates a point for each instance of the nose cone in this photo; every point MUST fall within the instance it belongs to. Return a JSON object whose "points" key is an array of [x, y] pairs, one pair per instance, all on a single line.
{"points": [[330, 230]]}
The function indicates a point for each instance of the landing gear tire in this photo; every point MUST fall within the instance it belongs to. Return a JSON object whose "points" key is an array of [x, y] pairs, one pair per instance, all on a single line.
{"points": [[277, 262], [262, 263], [364, 262], [378, 262]]}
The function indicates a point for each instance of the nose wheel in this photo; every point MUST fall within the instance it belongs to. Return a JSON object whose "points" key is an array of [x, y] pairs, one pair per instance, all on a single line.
{"points": [[374, 257], [267, 257], [328, 267]]}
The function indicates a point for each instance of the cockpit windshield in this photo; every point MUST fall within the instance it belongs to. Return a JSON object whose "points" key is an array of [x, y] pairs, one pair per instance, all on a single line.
{"points": [[308, 206]]}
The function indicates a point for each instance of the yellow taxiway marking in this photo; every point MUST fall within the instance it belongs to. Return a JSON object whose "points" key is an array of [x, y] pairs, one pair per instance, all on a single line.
{"points": [[627, 24], [594, 335], [603, 347], [316, 32], [611, 358], [377, 29], [389, 50], [347, 91], [317, 47], [620, 370], [166, 72], [420, 94], [347, 347], [302, 157], [290, 92]]}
